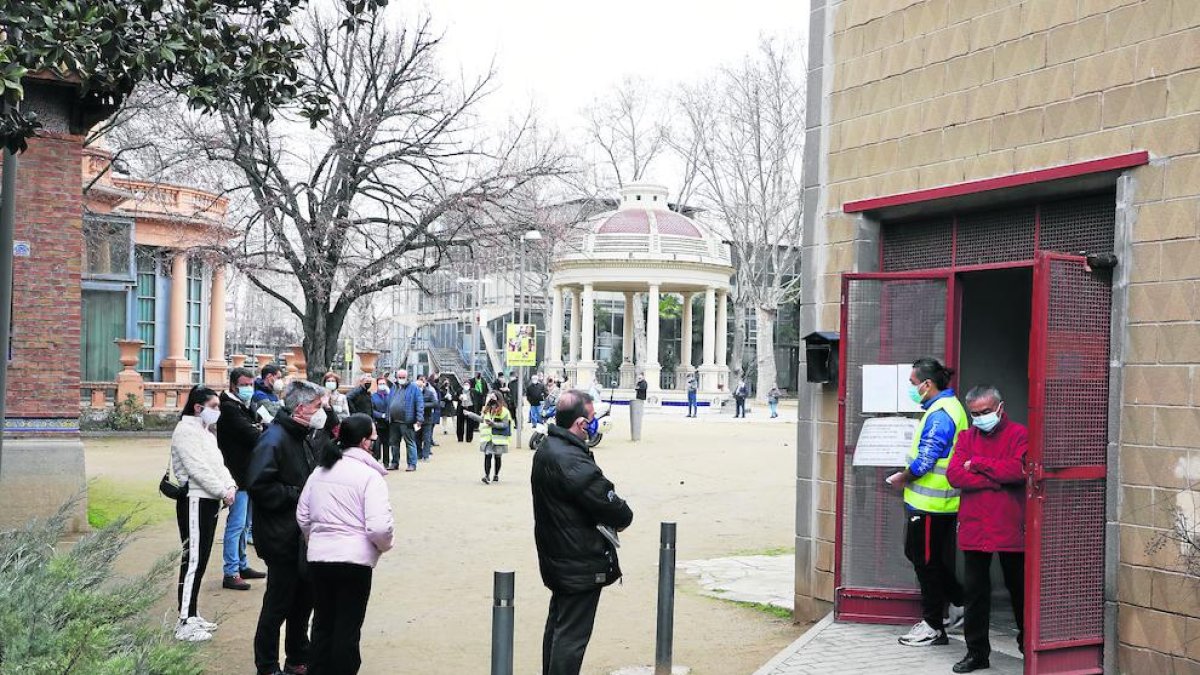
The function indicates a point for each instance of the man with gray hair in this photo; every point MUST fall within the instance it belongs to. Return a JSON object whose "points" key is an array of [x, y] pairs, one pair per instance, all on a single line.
{"points": [[285, 455], [988, 466]]}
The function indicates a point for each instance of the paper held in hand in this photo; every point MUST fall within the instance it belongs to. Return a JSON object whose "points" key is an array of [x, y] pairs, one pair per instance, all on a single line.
{"points": [[885, 441], [610, 534]]}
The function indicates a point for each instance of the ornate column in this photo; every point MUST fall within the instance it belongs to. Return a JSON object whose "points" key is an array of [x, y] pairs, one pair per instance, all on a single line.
{"points": [[652, 369], [722, 340], [685, 346], [586, 371], [628, 371], [176, 367], [576, 309], [708, 369], [554, 324], [214, 365]]}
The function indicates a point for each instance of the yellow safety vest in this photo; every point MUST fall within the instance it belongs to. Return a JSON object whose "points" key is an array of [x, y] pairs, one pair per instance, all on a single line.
{"points": [[485, 430], [932, 493]]}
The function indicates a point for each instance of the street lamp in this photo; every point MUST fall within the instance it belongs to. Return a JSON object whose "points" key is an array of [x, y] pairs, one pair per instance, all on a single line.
{"points": [[530, 235]]}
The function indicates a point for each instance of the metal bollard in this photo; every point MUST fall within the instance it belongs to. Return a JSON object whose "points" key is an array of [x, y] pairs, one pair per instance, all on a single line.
{"points": [[665, 640], [503, 615]]}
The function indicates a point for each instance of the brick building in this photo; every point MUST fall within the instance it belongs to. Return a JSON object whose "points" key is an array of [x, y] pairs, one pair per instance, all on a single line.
{"points": [[969, 167]]}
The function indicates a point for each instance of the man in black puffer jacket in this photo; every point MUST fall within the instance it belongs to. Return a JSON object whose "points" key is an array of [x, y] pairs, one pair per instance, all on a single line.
{"points": [[286, 454], [571, 498]]}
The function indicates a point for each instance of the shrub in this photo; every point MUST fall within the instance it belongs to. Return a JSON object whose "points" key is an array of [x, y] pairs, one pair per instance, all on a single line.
{"points": [[62, 610], [128, 415]]}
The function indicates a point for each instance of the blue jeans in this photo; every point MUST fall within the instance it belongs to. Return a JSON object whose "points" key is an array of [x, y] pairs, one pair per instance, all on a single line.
{"points": [[234, 546], [410, 442], [426, 441], [692, 407], [774, 406]]}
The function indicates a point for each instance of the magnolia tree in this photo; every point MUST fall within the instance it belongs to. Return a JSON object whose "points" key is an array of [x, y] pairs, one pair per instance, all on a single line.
{"points": [[743, 132], [393, 178]]}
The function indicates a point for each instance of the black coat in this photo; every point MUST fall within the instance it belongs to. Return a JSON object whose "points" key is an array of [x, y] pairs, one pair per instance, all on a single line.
{"points": [[237, 434], [359, 400], [286, 454], [571, 497], [535, 393]]}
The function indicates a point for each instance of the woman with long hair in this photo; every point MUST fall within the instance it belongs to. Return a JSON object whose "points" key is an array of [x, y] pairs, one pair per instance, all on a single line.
{"points": [[346, 517], [197, 463], [495, 430]]}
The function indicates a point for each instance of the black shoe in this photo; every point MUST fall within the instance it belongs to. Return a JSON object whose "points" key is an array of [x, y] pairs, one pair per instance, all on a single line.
{"points": [[971, 663], [485, 479], [393, 467], [235, 583], [251, 573], [496, 478]]}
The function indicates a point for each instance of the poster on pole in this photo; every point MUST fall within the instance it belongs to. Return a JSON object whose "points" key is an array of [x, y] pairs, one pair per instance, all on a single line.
{"points": [[520, 345], [885, 441], [349, 351]]}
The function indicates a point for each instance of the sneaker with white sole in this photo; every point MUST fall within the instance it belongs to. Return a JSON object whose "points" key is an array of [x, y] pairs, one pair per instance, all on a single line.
{"points": [[191, 631], [955, 617], [923, 635], [205, 624]]}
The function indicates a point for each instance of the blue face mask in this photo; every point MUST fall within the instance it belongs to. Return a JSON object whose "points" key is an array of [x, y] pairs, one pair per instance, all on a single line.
{"points": [[986, 423], [914, 392], [246, 393]]}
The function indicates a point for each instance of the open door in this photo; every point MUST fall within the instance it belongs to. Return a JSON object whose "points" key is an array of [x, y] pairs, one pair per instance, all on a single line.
{"points": [[1068, 450], [887, 318]]}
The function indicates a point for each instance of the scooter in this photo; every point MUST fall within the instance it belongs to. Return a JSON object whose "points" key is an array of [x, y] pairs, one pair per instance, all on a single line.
{"points": [[544, 417]]}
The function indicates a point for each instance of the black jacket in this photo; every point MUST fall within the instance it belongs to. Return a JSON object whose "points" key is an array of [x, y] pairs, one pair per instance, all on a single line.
{"points": [[286, 454], [237, 434], [535, 393], [570, 497], [642, 387], [359, 400]]}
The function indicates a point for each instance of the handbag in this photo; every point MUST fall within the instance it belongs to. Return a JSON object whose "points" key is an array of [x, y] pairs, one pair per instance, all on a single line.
{"points": [[169, 488]]}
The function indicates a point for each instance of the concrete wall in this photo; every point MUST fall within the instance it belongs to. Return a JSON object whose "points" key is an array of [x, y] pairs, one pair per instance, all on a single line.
{"points": [[922, 93]]}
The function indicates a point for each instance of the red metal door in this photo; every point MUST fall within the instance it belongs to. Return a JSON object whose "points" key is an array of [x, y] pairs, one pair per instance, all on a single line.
{"points": [[1068, 451], [887, 318]]}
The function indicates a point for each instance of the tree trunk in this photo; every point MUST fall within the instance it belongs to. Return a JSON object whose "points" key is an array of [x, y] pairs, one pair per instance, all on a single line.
{"points": [[764, 348], [737, 357], [322, 333]]}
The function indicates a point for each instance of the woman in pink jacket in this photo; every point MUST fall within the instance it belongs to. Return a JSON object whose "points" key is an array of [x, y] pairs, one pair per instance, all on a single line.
{"points": [[346, 517]]}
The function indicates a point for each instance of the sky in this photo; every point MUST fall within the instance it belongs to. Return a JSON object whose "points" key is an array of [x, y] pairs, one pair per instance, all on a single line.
{"points": [[562, 54]]}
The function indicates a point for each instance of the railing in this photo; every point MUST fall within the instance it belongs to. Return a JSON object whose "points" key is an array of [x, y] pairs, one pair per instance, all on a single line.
{"points": [[608, 380], [157, 397], [174, 199], [668, 379], [97, 394]]}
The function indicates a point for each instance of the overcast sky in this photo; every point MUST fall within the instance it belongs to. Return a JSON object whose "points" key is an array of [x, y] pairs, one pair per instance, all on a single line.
{"points": [[561, 54]]}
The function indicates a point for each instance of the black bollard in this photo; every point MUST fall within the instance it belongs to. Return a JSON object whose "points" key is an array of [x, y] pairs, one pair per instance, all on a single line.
{"points": [[665, 641], [503, 589]]}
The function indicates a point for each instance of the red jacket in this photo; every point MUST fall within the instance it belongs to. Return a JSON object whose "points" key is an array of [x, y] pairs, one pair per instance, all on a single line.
{"points": [[991, 513]]}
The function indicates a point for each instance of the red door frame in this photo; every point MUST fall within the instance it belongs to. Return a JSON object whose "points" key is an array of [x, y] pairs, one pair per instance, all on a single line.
{"points": [[874, 605]]}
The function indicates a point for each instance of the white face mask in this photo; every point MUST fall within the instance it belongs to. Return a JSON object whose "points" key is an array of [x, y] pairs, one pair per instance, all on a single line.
{"points": [[318, 419], [209, 416], [330, 385]]}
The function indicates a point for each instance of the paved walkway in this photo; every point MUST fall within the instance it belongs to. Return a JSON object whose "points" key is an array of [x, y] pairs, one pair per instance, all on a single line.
{"points": [[761, 579], [846, 648]]}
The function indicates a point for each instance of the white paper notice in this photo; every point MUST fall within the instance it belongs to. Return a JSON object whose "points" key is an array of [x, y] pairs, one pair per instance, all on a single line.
{"points": [[885, 441], [879, 388]]}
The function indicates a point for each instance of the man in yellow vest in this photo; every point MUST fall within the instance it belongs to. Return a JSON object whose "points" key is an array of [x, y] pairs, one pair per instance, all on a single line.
{"points": [[931, 502]]}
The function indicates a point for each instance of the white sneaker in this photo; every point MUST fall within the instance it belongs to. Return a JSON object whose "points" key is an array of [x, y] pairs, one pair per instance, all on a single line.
{"points": [[190, 631], [955, 617], [923, 635], [204, 623]]}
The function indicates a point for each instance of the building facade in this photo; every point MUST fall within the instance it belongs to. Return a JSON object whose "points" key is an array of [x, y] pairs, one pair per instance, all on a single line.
{"points": [[1014, 186]]}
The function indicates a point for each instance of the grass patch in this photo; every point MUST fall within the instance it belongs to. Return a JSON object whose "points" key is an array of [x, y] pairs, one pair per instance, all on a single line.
{"points": [[777, 612], [776, 551], [109, 501]]}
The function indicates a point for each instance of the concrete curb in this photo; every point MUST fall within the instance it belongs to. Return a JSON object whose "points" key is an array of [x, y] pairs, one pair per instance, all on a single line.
{"points": [[809, 635]]}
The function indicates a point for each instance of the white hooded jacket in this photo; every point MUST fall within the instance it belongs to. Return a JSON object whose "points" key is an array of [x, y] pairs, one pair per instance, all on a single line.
{"points": [[196, 460]]}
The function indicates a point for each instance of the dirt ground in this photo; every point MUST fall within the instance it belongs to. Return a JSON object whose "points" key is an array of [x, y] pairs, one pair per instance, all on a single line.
{"points": [[728, 483]]}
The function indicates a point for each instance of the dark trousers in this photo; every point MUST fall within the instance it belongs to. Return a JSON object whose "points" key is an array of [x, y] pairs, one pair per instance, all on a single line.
{"points": [[288, 598], [929, 544], [340, 594], [487, 464], [400, 436], [384, 430], [425, 442], [977, 588], [568, 629], [197, 520], [739, 409], [462, 428]]}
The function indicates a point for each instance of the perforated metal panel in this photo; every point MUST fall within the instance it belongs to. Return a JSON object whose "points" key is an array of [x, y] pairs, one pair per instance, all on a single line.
{"points": [[995, 236], [1081, 224], [887, 322], [1072, 567], [918, 245]]}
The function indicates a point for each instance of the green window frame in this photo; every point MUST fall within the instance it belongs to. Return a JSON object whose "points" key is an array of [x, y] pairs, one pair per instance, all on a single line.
{"points": [[195, 305], [147, 308]]}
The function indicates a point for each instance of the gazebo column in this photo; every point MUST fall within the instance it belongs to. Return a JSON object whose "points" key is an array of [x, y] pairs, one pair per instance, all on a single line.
{"points": [[708, 369], [628, 370], [176, 367], [573, 357], [722, 341], [685, 346], [653, 368], [585, 371], [554, 360]]}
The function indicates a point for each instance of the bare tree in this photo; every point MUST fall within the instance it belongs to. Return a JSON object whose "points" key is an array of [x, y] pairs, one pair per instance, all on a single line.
{"points": [[628, 128], [380, 190], [744, 130]]}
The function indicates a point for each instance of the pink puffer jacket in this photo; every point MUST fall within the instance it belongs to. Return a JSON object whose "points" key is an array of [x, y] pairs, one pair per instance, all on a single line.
{"points": [[344, 512]]}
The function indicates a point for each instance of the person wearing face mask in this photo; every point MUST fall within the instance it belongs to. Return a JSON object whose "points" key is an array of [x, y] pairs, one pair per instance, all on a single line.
{"points": [[359, 398], [384, 451], [571, 500], [337, 400], [196, 462], [266, 392], [286, 454], [406, 411], [931, 502], [237, 434], [988, 466], [346, 517]]}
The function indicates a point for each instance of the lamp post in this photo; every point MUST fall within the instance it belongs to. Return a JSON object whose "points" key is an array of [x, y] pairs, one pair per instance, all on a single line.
{"points": [[530, 235]]}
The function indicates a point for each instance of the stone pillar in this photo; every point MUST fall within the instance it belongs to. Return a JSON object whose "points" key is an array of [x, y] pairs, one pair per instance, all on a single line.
{"points": [[576, 310], [176, 367], [708, 369], [129, 380], [652, 368], [628, 371], [554, 326], [722, 340], [214, 365], [685, 344], [586, 369]]}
